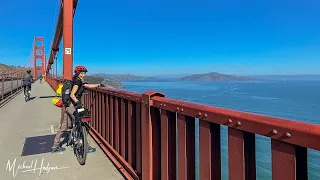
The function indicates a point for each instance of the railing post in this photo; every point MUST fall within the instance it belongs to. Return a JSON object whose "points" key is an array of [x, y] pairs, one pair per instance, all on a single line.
{"points": [[2, 87], [289, 161], [151, 167], [241, 154], [11, 84]]}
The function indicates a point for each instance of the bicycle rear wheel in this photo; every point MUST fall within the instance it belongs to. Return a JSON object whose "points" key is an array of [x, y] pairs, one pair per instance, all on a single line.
{"points": [[82, 145]]}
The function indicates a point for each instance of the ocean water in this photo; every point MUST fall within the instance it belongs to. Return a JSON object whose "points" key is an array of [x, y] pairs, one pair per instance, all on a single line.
{"points": [[291, 100]]}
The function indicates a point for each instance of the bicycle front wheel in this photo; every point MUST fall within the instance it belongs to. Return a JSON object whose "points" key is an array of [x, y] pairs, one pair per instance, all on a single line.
{"points": [[82, 145]]}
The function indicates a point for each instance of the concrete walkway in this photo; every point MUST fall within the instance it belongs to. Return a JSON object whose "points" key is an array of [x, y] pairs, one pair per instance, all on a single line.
{"points": [[39, 117]]}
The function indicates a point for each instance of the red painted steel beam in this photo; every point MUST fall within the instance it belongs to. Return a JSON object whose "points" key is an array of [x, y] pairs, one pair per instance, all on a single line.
{"points": [[39, 38], [168, 145], [186, 147], [67, 39], [210, 150], [138, 164], [150, 148], [241, 155], [294, 132], [122, 94], [34, 57], [44, 64]]}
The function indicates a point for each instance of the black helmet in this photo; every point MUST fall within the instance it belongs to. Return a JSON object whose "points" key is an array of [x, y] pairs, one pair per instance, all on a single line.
{"points": [[29, 71]]}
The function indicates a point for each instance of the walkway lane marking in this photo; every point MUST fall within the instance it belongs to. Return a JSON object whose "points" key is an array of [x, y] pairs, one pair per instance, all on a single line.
{"points": [[52, 129]]}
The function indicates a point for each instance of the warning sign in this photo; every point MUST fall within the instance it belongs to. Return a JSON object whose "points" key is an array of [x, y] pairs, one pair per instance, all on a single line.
{"points": [[67, 51]]}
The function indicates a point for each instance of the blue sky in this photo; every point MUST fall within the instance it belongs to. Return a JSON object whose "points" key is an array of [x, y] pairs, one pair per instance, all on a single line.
{"points": [[174, 36]]}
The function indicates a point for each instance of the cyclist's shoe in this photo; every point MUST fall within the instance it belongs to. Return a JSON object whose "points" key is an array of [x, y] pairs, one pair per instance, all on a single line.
{"points": [[70, 140], [69, 143], [56, 148], [91, 149]]}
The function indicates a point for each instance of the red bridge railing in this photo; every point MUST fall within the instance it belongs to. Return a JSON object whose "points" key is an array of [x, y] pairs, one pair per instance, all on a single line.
{"points": [[10, 85], [53, 82], [138, 132]]}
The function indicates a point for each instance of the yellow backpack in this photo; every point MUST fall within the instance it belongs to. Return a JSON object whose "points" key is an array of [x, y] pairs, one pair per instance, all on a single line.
{"points": [[57, 101]]}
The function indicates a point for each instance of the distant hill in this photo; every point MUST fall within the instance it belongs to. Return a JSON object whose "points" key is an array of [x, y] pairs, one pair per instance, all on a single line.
{"points": [[214, 76], [307, 77], [98, 80], [6, 68], [122, 77], [170, 76]]}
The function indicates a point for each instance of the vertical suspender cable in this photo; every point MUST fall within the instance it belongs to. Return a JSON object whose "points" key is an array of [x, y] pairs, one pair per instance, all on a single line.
{"points": [[56, 67]]}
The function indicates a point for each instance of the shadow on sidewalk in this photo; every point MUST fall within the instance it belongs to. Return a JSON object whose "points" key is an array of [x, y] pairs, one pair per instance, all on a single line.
{"points": [[38, 145], [32, 98]]}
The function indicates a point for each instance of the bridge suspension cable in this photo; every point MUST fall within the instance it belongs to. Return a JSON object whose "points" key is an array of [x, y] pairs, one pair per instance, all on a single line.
{"points": [[55, 19], [20, 70], [10, 80]]}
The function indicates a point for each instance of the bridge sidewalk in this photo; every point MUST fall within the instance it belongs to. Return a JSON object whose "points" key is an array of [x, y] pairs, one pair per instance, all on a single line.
{"points": [[38, 117]]}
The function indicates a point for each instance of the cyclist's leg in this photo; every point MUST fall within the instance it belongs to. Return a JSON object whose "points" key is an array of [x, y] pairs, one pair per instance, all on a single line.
{"points": [[70, 111], [24, 90], [61, 130]]}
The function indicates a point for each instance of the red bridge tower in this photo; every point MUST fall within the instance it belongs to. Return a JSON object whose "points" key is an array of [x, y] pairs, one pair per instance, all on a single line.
{"points": [[38, 51]]}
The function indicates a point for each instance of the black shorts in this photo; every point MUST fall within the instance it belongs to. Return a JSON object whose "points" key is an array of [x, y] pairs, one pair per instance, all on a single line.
{"points": [[29, 85]]}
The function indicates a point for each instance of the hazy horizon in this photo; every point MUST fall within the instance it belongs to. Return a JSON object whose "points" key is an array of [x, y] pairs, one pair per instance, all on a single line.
{"points": [[185, 74]]}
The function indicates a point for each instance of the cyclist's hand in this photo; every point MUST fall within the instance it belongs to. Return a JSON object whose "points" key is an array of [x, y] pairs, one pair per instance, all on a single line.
{"points": [[101, 85], [78, 105]]}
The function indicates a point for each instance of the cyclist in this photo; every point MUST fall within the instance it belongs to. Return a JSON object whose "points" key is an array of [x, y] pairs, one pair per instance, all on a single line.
{"points": [[27, 80], [40, 78], [75, 96]]}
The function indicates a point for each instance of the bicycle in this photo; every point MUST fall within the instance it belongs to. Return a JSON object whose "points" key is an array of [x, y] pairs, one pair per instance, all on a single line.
{"points": [[78, 134], [26, 93]]}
